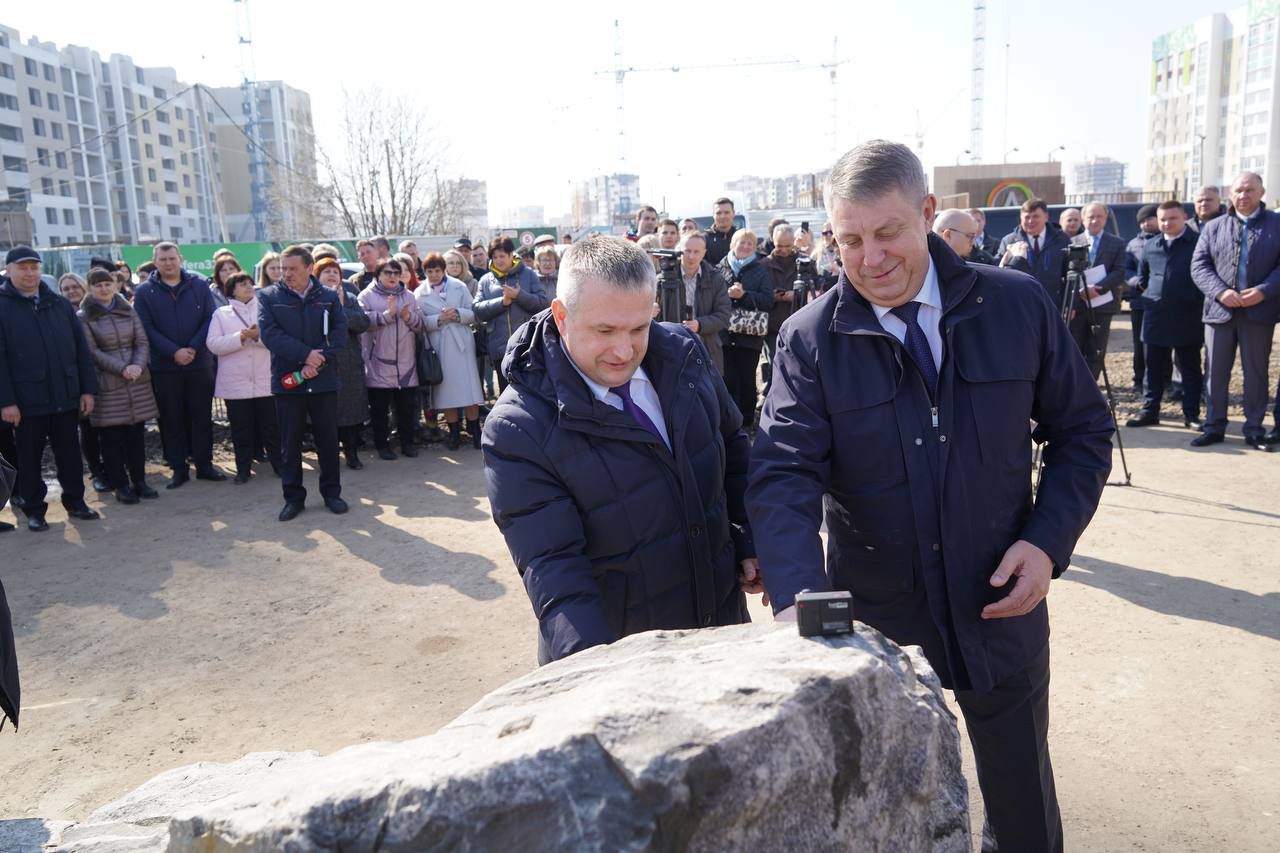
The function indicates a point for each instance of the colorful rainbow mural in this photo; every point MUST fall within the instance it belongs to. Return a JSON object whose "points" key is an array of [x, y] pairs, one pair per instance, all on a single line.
{"points": [[1009, 184]]}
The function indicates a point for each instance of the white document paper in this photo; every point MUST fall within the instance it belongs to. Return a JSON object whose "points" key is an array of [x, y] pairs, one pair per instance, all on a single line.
{"points": [[1092, 276]]}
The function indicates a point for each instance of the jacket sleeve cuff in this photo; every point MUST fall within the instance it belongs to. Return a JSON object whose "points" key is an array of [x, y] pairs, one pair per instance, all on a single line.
{"points": [[744, 545], [1037, 533]]}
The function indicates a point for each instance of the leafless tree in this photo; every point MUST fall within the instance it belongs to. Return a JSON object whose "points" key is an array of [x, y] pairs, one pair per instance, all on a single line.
{"points": [[390, 175]]}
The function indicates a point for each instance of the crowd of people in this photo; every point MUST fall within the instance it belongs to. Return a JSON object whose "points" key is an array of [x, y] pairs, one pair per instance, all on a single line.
{"points": [[88, 366]]}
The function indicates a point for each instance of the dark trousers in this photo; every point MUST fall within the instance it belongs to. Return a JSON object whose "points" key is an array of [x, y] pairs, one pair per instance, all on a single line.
{"points": [[124, 454], [292, 412], [405, 403], [31, 436], [185, 397], [253, 425], [1139, 350], [349, 436], [485, 369], [1254, 342], [91, 449], [1009, 730], [1092, 331], [1160, 372], [766, 366], [740, 378]]}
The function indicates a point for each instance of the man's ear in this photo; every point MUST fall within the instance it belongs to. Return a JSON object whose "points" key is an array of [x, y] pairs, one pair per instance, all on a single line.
{"points": [[558, 313]]}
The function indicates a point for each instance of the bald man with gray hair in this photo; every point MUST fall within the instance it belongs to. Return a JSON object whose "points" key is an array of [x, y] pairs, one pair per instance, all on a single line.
{"points": [[960, 231]]}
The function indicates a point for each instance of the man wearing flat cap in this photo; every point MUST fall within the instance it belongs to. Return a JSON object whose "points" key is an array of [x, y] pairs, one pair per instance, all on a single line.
{"points": [[47, 383]]}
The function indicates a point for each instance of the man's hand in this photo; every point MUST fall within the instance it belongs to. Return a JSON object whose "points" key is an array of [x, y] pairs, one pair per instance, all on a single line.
{"points": [[86, 405], [692, 325], [786, 615], [11, 415], [132, 372], [315, 359], [736, 291], [1014, 250], [1032, 569], [184, 356], [751, 581], [309, 372], [1231, 299], [1251, 297], [1092, 292], [783, 296]]}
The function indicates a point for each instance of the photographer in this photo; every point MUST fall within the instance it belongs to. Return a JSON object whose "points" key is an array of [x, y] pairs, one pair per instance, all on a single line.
{"points": [[705, 294]]}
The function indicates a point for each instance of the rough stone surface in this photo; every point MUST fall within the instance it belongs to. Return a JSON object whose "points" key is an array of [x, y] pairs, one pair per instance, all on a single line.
{"points": [[747, 737]]}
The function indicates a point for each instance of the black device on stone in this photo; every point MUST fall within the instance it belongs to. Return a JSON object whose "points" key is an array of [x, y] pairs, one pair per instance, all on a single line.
{"points": [[824, 614]]}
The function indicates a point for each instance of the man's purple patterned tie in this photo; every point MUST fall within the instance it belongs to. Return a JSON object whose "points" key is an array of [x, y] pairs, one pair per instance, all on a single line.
{"points": [[629, 406], [918, 345]]}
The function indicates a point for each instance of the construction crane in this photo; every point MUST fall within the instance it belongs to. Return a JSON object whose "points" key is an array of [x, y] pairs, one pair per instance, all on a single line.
{"points": [[975, 85], [831, 67], [259, 178], [620, 75]]}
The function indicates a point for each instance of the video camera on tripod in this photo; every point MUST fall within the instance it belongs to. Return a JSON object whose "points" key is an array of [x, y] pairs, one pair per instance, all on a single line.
{"points": [[806, 283], [670, 286]]}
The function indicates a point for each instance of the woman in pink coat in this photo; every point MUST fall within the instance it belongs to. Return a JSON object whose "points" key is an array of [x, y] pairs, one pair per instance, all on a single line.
{"points": [[244, 374], [391, 357]]}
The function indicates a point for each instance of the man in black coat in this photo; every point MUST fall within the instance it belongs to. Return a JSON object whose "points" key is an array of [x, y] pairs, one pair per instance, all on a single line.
{"points": [[47, 383], [1148, 225], [616, 464], [781, 266], [1171, 324], [721, 231], [1037, 249], [175, 307], [1091, 326], [900, 405], [303, 325]]}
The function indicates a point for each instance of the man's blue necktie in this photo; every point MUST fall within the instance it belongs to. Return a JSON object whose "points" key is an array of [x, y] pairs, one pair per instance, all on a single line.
{"points": [[629, 406], [1242, 270], [918, 345], [1093, 249]]}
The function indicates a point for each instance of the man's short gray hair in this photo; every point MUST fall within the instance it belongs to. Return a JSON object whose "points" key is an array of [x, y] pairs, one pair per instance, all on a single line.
{"points": [[1253, 175], [618, 263], [874, 168], [783, 228]]}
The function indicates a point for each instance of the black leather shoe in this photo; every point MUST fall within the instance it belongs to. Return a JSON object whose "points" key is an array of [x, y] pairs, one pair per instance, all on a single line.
{"points": [[5, 527], [386, 453], [142, 490], [83, 513], [126, 495], [409, 451], [37, 524], [1143, 420], [353, 461], [1273, 437], [337, 506], [1258, 442], [290, 512], [242, 478], [1207, 438], [211, 474], [101, 484], [178, 480]]}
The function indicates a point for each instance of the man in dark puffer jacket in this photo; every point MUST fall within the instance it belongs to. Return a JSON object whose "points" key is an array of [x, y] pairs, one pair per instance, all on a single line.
{"points": [[616, 464]]}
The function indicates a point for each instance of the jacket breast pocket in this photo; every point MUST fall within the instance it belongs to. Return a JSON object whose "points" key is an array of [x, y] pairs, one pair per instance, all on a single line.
{"points": [[872, 571], [866, 446], [1000, 384]]}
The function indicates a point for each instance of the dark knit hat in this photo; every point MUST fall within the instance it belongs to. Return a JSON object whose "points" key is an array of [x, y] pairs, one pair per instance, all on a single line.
{"points": [[21, 253], [1146, 212]]}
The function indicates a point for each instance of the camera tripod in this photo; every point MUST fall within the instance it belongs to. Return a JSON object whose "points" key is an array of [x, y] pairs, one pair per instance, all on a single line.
{"points": [[1074, 285]]}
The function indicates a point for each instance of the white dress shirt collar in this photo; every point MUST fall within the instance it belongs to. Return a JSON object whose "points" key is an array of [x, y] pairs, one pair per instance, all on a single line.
{"points": [[929, 316]]}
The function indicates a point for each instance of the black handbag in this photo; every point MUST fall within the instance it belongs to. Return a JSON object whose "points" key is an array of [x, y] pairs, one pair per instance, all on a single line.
{"points": [[430, 370]]}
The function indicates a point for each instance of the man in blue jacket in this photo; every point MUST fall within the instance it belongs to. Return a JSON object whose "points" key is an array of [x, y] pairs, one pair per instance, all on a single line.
{"points": [[1148, 225], [616, 463], [1037, 248], [1237, 267], [901, 403], [47, 383], [303, 325], [175, 307]]}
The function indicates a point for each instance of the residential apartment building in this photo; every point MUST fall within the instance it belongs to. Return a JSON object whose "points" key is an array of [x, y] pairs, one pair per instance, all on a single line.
{"points": [[799, 190], [1212, 102], [607, 200], [1100, 176]]}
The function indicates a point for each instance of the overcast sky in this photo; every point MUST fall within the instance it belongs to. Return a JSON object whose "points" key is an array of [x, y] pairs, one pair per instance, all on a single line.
{"points": [[518, 98]]}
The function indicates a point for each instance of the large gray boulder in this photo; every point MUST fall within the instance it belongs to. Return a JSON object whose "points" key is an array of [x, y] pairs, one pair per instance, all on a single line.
{"points": [[748, 737]]}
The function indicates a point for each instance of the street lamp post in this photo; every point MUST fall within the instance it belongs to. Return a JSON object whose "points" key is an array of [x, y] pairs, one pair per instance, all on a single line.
{"points": [[961, 154], [1053, 151], [1013, 150]]}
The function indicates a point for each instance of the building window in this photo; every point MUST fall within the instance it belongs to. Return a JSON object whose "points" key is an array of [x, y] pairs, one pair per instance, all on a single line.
{"points": [[6, 70], [14, 164], [13, 134], [171, 186], [187, 199], [155, 199], [137, 75], [8, 102], [51, 215], [60, 158], [29, 66], [37, 126], [162, 116], [159, 93], [33, 98], [151, 175], [64, 189], [53, 101], [173, 210], [146, 126], [68, 217], [49, 73], [175, 233], [166, 140], [186, 180], [56, 128], [167, 163], [182, 135], [150, 151]]}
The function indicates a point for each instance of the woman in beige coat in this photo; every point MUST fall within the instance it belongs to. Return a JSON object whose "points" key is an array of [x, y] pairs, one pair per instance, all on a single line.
{"points": [[124, 402]]}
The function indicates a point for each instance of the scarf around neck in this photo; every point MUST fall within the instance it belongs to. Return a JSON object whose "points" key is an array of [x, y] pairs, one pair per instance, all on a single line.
{"points": [[515, 268], [736, 264]]}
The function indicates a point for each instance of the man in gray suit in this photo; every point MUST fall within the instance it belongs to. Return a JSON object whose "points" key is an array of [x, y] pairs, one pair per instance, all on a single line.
{"points": [[1236, 265], [1091, 329]]}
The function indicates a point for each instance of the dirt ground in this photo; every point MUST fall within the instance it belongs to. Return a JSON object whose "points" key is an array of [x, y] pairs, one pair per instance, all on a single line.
{"points": [[198, 628]]}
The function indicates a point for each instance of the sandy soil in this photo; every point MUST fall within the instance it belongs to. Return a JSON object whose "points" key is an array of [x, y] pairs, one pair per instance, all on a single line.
{"points": [[197, 628]]}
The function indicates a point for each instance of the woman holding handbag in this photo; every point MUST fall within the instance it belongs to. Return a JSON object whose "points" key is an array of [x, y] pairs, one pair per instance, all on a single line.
{"points": [[390, 357], [751, 294], [446, 310]]}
